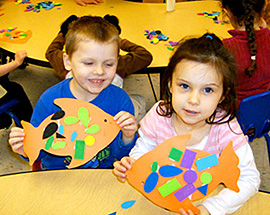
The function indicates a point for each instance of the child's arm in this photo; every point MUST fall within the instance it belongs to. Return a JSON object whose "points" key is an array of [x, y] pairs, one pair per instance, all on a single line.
{"points": [[85, 2], [121, 167], [16, 138], [128, 124], [19, 57], [228, 201]]}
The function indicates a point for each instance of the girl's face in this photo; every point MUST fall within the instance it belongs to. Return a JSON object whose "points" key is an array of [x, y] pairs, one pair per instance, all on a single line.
{"points": [[93, 66], [196, 91]]}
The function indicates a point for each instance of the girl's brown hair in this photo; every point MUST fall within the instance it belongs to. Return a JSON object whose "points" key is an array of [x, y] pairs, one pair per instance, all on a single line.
{"points": [[207, 49]]}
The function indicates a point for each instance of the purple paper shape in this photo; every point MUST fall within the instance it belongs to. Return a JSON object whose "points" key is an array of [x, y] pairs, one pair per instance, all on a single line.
{"points": [[185, 192], [190, 176], [207, 162], [188, 159]]}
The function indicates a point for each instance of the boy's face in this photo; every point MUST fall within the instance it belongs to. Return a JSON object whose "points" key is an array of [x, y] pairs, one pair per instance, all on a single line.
{"points": [[93, 66]]}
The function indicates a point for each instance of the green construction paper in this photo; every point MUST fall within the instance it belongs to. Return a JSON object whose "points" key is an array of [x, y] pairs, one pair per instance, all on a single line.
{"points": [[83, 116], [71, 120], [49, 142], [206, 178], [169, 187], [92, 129], [175, 154], [154, 166], [59, 145], [79, 149]]}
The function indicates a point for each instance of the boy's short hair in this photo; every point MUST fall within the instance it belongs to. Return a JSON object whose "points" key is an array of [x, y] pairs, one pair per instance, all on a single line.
{"points": [[90, 28]]}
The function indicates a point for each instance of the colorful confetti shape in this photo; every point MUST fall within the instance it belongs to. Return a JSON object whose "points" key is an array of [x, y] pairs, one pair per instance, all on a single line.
{"points": [[169, 171], [151, 182], [128, 204]]}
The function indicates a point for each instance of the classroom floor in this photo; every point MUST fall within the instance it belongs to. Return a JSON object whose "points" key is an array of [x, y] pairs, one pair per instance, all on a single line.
{"points": [[36, 79]]}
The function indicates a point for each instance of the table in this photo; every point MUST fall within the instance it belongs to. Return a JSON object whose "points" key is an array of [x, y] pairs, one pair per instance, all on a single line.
{"points": [[94, 192], [134, 18]]}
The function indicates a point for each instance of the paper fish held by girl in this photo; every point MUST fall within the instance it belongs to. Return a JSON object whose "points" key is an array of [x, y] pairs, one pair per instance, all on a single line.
{"points": [[172, 176], [80, 130]]}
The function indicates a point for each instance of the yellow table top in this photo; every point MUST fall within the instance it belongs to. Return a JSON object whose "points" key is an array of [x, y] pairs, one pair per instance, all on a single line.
{"points": [[82, 191], [134, 19]]}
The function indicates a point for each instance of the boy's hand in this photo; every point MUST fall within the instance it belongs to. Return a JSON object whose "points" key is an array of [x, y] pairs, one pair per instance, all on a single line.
{"points": [[203, 210], [16, 138], [85, 2], [128, 124], [19, 57], [65, 24], [121, 167]]}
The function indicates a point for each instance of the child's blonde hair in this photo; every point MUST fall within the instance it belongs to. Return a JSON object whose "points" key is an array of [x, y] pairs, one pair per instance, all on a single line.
{"points": [[90, 28]]}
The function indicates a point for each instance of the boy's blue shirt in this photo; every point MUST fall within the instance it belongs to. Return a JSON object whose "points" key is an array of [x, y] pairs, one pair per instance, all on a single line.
{"points": [[111, 100]]}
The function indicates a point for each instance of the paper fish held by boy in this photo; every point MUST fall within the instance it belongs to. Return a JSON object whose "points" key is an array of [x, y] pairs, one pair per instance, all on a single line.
{"points": [[172, 176], [80, 130]]}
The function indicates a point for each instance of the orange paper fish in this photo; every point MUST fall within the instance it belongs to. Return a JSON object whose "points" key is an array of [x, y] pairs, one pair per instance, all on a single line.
{"points": [[172, 176], [80, 130]]}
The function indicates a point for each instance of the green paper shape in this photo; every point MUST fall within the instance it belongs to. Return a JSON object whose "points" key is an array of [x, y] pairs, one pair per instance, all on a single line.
{"points": [[79, 149], [154, 166], [92, 129], [169, 187], [206, 178], [83, 116], [49, 142], [71, 120], [175, 154], [59, 145]]}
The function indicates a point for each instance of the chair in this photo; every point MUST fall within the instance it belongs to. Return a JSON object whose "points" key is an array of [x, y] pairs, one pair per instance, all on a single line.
{"points": [[254, 117], [6, 108]]}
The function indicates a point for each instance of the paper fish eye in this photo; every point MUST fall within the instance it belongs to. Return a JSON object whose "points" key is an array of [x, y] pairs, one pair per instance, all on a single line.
{"points": [[58, 115], [105, 120], [50, 130]]}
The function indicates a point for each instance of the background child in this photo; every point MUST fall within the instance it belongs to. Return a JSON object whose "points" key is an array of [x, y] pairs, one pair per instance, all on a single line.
{"points": [[199, 99], [92, 53], [85, 2], [23, 110], [250, 46]]}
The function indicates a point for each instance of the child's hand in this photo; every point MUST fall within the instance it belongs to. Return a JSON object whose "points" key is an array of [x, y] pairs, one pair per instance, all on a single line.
{"points": [[19, 57], [16, 137], [85, 2], [203, 210], [121, 167], [128, 124]]}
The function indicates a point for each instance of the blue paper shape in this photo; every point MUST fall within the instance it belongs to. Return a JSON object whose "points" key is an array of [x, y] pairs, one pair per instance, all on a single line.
{"points": [[203, 189], [207, 162], [128, 204], [169, 171], [73, 135], [113, 213], [61, 129], [151, 182], [188, 159]]}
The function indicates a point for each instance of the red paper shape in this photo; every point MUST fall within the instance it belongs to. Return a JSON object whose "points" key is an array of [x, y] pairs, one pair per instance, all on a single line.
{"points": [[226, 172], [36, 138]]}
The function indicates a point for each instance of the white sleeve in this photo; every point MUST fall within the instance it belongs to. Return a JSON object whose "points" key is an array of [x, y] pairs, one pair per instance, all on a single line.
{"points": [[228, 201], [142, 146]]}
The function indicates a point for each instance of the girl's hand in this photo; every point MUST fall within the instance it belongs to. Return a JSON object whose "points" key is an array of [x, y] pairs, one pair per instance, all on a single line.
{"points": [[121, 167], [19, 57], [85, 2], [16, 138], [203, 210], [128, 124]]}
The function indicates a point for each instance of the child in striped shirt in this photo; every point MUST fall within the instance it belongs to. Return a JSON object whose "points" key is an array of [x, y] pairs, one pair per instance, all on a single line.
{"points": [[199, 99]]}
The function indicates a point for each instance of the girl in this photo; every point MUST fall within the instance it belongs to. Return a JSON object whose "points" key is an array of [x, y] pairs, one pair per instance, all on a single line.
{"points": [[199, 99], [250, 45]]}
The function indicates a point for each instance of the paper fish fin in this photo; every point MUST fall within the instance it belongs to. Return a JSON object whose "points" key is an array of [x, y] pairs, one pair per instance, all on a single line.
{"points": [[30, 147], [229, 162]]}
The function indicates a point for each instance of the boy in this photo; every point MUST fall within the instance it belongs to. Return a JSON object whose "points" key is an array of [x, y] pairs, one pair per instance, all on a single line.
{"points": [[92, 50]]}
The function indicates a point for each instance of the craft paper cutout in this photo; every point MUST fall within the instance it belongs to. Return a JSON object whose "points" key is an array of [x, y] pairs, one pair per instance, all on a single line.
{"points": [[179, 191], [128, 204], [92, 131], [13, 35]]}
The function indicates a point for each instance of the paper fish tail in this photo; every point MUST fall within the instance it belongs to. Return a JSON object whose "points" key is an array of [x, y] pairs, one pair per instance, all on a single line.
{"points": [[229, 163], [31, 134]]}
